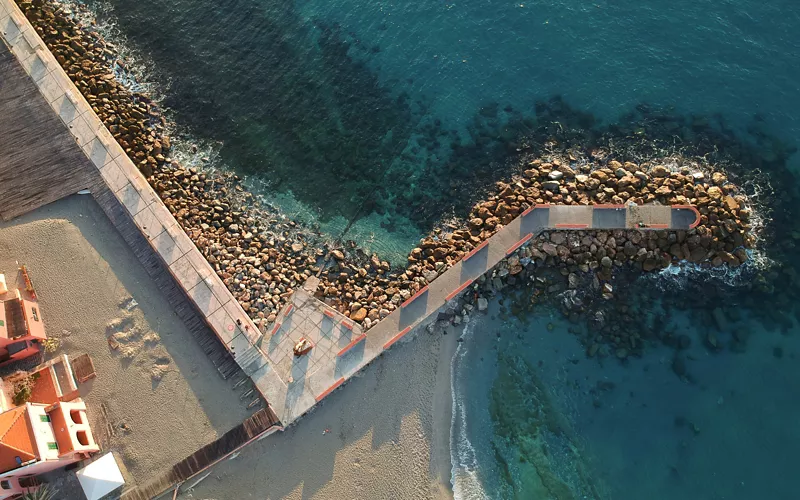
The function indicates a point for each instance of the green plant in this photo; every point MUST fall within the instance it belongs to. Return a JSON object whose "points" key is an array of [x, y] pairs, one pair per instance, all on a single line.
{"points": [[44, 492], [51, 344], [23, 388]]}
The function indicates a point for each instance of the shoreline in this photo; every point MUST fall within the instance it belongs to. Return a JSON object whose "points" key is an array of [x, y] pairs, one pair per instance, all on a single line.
{"points": [[369, 280], [441, 461]]}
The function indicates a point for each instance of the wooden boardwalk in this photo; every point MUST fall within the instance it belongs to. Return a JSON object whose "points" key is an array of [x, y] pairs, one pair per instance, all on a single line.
{"points": [[258, 426]]}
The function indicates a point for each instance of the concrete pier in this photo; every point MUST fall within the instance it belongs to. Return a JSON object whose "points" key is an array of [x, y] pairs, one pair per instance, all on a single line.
{"points": [[291, 385], [341, 349]]}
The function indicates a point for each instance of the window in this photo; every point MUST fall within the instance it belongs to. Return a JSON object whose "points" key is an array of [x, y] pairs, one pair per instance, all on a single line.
{"points": [[35, 314], [5, 484], [82, 438], [44, 418], [75, 415], [52, 446]]}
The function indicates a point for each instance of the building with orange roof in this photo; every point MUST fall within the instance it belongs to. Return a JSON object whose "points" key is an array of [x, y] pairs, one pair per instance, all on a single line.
{"points": [[48, 431], [51, 382], [38, 438]]}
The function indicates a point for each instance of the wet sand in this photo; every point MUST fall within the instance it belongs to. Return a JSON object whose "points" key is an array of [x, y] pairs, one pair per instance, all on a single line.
{"points": [[157, 398], [384, 435]]}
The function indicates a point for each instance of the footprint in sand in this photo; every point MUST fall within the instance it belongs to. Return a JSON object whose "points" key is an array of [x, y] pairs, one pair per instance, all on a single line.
{"points": [[130, 337], [160, 368], [124, 337]]}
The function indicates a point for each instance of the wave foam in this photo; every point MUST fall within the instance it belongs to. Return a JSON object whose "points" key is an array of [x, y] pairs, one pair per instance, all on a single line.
{"points": [[678, 276], [463, 458]]}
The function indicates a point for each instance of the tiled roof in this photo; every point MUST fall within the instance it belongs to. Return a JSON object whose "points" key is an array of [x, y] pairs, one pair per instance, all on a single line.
{"points": [[15, 439]]}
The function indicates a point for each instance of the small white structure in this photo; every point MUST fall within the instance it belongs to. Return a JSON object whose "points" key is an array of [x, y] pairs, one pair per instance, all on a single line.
{"points": [[100, 477], [3, 287]]}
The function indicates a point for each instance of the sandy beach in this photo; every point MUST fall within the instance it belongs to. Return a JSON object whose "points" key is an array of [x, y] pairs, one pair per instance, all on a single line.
{"points": [[385, 435], [157, 398]]}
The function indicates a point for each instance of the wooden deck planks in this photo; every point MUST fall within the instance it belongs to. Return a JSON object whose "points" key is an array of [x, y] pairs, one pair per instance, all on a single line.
{"points": [[259, 423], [40, 162]]}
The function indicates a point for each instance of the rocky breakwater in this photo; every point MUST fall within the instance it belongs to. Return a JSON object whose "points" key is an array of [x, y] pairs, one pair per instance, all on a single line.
{"points": [[368, 291], [132, 118]]}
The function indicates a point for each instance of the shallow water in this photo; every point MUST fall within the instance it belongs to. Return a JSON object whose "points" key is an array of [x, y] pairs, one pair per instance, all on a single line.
{"points": [[634, 429]]}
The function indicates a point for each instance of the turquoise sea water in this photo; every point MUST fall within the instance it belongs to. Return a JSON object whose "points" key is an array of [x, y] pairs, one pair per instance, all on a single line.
{"points": [[367, 110], [382, 117]]}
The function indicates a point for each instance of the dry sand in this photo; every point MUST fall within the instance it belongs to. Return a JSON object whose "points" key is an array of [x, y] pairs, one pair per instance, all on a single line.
{"points": [[389, 435], [157, 398]]}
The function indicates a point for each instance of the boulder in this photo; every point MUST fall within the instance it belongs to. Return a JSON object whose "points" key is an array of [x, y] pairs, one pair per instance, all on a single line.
{"points": [[552, 186], [659, 171], [359, 315]]}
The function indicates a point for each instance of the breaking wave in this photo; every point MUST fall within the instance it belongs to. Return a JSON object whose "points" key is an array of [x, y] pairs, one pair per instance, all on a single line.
{"points": [[464, 460]]}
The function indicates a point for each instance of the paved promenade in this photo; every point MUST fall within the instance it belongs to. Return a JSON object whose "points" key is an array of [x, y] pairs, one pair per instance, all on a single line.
{"points": [[291, 385]]}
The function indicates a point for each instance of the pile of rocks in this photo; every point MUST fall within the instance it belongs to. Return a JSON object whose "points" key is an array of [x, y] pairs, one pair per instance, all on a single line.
{"points": [[132, 118], [721, 238], [262, 257]]}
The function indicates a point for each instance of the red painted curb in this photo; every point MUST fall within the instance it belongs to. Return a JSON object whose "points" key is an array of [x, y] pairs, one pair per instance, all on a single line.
{"points": [[396, 337], [572, 226], [328, 313], [288, 310], [352, 344], [476, 250], [534, 207], [275, 330], [518, 244], [458, 290], [607, 205], [414, 297], [693, 209], [658, 226], [347, 324], [330, 389]]}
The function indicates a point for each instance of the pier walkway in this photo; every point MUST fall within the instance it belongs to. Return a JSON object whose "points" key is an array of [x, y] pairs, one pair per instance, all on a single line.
{"points": [[341, 349], [291, 385]]}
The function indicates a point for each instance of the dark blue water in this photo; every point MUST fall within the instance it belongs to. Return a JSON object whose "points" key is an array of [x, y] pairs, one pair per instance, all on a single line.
{"points": [[382, 117]]}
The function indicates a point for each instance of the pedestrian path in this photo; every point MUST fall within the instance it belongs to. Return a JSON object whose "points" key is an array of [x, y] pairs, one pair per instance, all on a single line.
{"points": [[341, 348]]}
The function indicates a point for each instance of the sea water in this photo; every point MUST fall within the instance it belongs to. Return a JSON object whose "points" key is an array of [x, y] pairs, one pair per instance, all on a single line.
{"points": [[347, 114]]}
